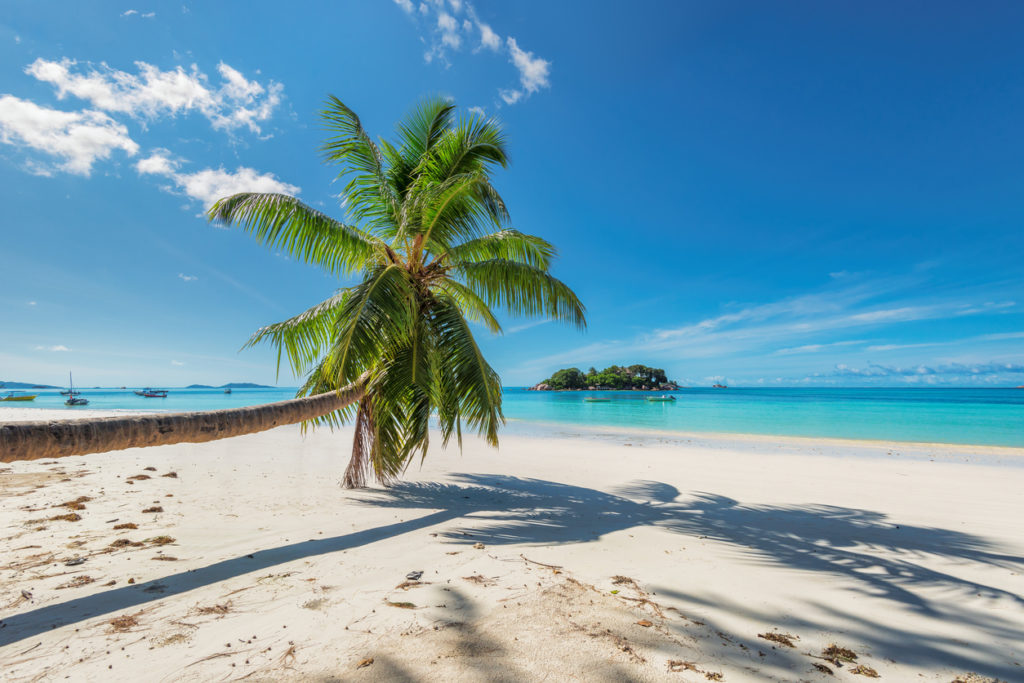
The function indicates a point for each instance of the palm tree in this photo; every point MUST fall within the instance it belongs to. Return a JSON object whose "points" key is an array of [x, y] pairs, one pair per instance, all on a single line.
{"points": [[427, 240]]}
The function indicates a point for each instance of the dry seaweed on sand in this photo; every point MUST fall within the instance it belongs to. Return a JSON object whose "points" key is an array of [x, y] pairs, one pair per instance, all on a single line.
{"points": [[865, 671], [126, 525], [975, 678], [402, 605], [160, 540], [780, 638], [166, 558], [70, 517], [155, 508], [215, 609], [171, 475], [125, 543], [363, 663], [76, 504], [406, 585], [677, 665], [822, 668], [837, 655], [138, 477], [83, 580], [125, 622]]}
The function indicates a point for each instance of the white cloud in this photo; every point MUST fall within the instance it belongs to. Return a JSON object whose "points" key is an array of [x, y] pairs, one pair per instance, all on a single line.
{"points": [[479, 111], [488, 38], [187, 278], [534, 72], [128, 13], [77, 138], [31, 303], [58, 347], [135, 12], [405, 5], [209, 185], [449, 29], [177, 362], [236, 103]]}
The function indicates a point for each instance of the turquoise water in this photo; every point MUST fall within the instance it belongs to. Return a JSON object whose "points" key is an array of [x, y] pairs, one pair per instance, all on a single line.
{"points": [[967, 416]]}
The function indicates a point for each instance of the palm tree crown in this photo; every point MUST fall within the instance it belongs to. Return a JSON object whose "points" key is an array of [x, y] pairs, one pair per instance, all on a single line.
{"points": [[428, 243]]}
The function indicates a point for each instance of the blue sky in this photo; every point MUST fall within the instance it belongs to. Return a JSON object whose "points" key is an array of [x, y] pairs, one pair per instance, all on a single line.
{"points": [[798, 193]]}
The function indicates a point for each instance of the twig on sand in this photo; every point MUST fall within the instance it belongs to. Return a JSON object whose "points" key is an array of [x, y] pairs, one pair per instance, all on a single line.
{"points": [[549, 566]]}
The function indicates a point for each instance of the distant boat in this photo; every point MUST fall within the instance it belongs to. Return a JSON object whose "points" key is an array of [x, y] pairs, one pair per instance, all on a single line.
{"points": [[719, 386], [227, 391], [661, 399], [18, 396], [72, 395], [68, 392], [152, 393]]}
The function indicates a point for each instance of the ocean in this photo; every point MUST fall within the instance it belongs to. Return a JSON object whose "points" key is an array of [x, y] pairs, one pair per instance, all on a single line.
{"points": [[992, 417]]}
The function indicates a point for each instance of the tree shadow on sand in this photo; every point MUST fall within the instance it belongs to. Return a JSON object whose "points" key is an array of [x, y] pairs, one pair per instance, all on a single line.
{"points": [[883, 559]]}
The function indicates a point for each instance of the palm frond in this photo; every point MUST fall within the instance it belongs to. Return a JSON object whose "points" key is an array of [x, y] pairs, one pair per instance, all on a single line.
{"points": [[510, 245], [303, 337], [283, 222], [523, 289]]}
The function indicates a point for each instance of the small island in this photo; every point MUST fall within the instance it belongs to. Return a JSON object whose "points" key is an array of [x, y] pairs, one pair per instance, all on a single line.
{"points": [[230, 385], [618, 377]]}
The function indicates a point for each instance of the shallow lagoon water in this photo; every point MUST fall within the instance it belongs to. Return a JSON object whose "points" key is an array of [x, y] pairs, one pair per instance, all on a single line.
{"points": [[961, 416]]}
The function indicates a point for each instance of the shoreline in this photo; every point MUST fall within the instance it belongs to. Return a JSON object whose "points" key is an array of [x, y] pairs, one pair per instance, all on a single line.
{"points": [[569, 431]]}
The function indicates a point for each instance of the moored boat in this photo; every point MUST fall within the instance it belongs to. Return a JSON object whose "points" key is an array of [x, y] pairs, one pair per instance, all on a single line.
{"points": [[661, 399], [719, 386], [149, 392], [18, 396], [73, 398]]}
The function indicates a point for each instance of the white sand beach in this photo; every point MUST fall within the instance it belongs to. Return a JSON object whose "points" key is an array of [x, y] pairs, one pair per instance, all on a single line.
{"points": [[591, 559]]}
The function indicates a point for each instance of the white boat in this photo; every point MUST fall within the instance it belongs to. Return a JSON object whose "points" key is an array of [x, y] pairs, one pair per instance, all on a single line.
{"points": [[73, 398]]}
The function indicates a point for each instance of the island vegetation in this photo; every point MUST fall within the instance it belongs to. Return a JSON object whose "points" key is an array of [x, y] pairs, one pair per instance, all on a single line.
{"points": [[638, 377]]}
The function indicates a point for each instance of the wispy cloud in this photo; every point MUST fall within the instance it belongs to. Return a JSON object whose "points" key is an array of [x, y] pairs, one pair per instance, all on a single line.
{"points": [[815, 348], [77, 139], [177, 362], [448, 27], [58, 347], [187, 278], [30, 303], [236, 103], [137, 13], [210, 184]]}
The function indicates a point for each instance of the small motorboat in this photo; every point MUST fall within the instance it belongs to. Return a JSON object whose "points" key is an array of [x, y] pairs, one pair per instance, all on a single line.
{"points": [[73, 398], [227, 391], [719, 386], [18, 396], [661, 399], [152, 393]]}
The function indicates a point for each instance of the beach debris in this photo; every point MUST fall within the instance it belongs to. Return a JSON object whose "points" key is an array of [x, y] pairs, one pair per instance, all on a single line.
{"points": [[149, 469], [74, 562], [160, 540], [975, 678], [837, 655], [171, 475], [615, 591], [479, 580], [155, 508], [542, 564], [780, 638], [646, 623], [26, 594], [865, 671], [478, 546], [138, 477], [76, 504], [110, 583], [70, 517], [822, 668], [83, 580], [126, 525], [131, 580], [714, 675], [123, 623], [215, 609], [401, 605], [678, 665], [125, 543], [363, 663], [414, 575], [165, 558], [406, 585]]}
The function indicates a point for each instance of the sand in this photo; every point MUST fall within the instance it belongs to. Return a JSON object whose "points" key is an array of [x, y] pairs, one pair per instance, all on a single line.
{"points": [[605, 557]]}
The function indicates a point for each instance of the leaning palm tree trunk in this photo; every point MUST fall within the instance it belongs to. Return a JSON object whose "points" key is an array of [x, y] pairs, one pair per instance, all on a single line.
{"points": [[34, 440]]}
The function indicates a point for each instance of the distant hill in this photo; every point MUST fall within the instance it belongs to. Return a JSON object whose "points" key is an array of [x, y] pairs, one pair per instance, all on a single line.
{"points": [[244, 385], [25, 385], [199, 386]]}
